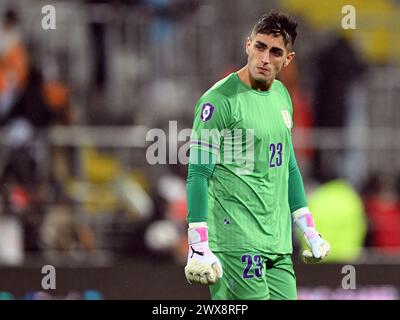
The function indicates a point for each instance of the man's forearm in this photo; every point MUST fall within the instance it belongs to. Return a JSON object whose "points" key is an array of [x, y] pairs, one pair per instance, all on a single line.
{"points": [[297, 194], [197, 185], [196, 194]]}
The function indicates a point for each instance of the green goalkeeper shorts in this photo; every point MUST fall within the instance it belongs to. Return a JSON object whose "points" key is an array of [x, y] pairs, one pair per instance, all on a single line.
{"points": [[255, 276]]}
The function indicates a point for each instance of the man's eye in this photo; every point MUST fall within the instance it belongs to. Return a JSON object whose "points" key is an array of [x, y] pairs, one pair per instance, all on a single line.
{"points": [[277, 53]]}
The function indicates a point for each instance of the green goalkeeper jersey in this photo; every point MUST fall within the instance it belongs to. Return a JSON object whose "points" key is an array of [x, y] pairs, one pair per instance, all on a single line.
{"points": [[250, 131]]}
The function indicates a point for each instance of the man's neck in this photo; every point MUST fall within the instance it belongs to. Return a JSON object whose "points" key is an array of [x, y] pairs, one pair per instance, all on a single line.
{"points": [[244, 76]]}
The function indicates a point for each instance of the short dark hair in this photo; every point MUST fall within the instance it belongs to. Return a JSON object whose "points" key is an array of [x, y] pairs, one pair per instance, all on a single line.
{"points": [[277, 23]]}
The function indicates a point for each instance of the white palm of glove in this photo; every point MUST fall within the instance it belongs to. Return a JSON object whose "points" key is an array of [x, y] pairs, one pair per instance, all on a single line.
{"points": [[203, 266], [318, 247]]}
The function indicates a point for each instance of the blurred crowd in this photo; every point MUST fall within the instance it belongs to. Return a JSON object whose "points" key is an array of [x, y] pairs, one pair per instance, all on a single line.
{"points": [[79, 202], [31, 99]]}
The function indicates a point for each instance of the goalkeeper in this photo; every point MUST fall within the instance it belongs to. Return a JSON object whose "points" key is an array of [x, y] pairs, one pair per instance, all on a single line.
{"points": [[239, 212]]}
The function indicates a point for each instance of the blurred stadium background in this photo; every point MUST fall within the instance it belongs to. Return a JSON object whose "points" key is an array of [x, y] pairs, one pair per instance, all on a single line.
{"points": [[77, 104]]}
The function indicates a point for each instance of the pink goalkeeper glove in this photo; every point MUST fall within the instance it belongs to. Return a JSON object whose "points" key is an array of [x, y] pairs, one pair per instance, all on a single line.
{"points": [[318, 247], [202, 267]]}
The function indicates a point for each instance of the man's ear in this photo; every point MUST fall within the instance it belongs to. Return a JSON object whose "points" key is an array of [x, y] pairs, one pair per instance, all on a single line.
{"points": [[248, 43], [289, 58]]}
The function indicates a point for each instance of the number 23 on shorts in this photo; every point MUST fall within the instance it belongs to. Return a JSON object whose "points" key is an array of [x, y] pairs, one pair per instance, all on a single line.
{"points": [[250, 260]]}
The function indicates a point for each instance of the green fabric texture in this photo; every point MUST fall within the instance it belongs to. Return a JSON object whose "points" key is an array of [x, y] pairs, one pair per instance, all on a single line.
{"points": [[297, 194], [255, 276], [200, 171]]}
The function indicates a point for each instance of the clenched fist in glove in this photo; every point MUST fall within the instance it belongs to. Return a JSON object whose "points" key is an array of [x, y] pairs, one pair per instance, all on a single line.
{"points": [[202, 267], [318, 247]]}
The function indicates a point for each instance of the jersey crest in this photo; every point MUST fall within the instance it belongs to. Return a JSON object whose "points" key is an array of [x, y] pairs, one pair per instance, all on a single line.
{"points": [[286, 118], [207, 111]]}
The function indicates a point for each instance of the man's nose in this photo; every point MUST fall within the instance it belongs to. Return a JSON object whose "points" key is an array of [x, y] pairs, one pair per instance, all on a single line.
{"points": [[265, 57]]}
